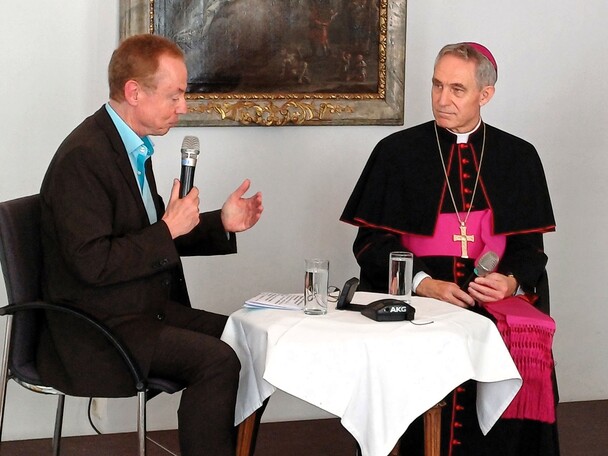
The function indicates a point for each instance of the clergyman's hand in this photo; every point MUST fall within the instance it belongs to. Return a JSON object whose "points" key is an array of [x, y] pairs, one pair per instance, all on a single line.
{"points": [[182, 214], [444, 291], [493, 287], [240, 214]]}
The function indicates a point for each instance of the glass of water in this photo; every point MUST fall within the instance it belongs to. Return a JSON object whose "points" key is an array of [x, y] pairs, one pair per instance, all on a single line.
{"points": [[401, 265], [316, 281]]}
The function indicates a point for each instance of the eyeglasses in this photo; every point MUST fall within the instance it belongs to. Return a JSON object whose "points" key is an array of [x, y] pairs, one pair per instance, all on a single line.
{"points": [[332, 293]]}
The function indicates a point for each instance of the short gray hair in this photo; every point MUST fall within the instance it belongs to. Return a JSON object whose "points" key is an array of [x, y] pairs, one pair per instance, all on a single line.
{"points": [[485, 73]]}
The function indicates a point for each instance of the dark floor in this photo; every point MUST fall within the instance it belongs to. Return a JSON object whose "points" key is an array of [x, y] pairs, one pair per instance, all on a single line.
{"points": [[582, 427]]}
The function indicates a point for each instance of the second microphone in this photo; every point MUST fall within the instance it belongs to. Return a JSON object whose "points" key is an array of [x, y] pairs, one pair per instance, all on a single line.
{"points": [[484, 265]]}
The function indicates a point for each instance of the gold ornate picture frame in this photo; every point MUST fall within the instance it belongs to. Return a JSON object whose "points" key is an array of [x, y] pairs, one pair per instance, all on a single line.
{"points": [[286, 62]]}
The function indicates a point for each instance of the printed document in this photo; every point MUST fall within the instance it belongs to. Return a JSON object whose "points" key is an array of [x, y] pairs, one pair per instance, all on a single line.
{"points": [[270, 300]]}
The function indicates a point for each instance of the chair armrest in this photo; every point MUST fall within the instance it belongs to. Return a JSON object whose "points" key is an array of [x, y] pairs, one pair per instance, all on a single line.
{"points": [[140, 382]]}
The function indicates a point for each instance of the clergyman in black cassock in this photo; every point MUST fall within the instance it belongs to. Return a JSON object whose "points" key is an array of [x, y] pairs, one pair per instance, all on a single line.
{"points": [[425, 186]]}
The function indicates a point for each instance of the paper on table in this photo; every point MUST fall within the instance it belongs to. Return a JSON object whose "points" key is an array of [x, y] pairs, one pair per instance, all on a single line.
{"points": [[270, 300]]}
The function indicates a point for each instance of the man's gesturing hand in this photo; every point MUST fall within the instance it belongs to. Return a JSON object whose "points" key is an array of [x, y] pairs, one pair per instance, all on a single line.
{"points": [[240, 214]]}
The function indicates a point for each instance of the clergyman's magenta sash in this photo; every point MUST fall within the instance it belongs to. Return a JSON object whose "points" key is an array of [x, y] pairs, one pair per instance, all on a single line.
{"points": [[528, 334]]}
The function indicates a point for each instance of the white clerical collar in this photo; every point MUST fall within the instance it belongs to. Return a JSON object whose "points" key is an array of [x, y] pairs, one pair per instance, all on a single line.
{"points": [[463, 138]]}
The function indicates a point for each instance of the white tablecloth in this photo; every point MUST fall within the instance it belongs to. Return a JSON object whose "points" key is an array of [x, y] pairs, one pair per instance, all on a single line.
{"points": [[376, 376]]}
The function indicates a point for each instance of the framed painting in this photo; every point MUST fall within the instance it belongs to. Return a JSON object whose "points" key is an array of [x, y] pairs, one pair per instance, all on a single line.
{"points": [[283, 62]]}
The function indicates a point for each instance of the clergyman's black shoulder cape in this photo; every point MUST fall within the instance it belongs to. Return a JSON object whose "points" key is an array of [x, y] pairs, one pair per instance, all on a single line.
{"points": [[401, 186]]}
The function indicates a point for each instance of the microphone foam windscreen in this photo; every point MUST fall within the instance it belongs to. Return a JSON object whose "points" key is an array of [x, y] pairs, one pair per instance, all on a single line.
{"points": [[191, 143], [486, 263]]}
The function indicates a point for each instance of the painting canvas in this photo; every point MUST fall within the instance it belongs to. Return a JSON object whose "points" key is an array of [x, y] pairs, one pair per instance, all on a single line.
{"points": [[283, 62]]}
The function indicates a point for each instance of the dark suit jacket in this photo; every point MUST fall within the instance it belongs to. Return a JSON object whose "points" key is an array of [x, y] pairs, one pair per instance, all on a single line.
{"points": [[102, 255]]}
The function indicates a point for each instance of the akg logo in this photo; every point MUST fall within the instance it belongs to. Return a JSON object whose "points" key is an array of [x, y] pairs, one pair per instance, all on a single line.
{"points": [[398, 309]]}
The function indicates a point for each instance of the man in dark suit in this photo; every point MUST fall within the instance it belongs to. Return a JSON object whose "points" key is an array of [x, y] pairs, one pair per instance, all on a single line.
{"points": [[113, 249]]}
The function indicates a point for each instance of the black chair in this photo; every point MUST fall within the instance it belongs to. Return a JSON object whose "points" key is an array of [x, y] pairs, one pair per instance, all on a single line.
{"points": [[21, 260]]}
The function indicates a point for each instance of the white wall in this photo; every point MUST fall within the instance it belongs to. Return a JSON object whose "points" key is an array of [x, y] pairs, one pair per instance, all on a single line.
{"points": [[551, 57]]}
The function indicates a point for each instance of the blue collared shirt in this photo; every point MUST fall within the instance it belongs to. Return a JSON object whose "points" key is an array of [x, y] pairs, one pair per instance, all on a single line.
{"points": [[138, 151]]}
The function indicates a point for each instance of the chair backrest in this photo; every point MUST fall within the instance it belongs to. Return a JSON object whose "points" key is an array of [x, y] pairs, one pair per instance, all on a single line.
{"points": [[20, 248], [21, 260], [542, 291]]}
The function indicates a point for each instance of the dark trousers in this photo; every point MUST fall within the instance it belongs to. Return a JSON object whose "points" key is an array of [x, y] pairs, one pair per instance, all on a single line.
{"points": [[189, 351]]}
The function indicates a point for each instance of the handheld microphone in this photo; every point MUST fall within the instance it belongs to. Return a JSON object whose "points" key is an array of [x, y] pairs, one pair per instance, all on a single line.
{"points": [[190, 151], [485, 264]]}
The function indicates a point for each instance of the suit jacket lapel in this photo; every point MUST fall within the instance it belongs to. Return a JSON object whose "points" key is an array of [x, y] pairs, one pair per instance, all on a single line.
{"points": [[122, 160], [158, 203]]}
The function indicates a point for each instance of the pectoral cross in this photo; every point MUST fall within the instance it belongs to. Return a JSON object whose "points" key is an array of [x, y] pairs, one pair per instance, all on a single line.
{"points": [[463, 239]]}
